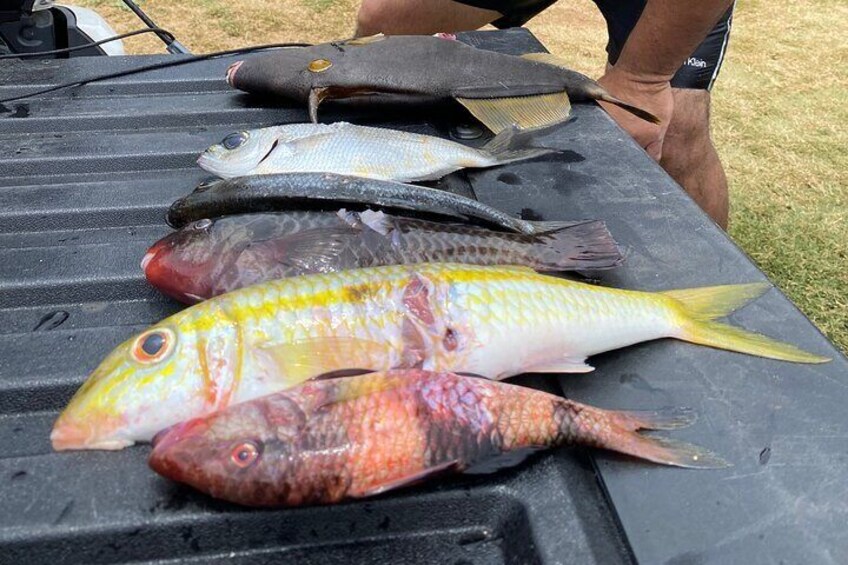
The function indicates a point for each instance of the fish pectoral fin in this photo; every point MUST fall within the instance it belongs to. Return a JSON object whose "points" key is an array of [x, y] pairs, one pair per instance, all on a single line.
{"points": [[407, 480], [523, 112], [314, 250], [502, 461], [566, 365], [309, 358], [316, 96]]}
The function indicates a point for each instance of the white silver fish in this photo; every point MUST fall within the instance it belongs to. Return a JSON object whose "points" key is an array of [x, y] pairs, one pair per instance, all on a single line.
{"points": [[348, 149]]}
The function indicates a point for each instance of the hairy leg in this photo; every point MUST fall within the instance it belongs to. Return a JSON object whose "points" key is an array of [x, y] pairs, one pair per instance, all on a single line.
{"points": [[416, 17], [688, 154]]}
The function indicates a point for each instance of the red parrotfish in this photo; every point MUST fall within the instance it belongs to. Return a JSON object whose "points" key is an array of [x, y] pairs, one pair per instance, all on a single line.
{"points": [[211, 257]]}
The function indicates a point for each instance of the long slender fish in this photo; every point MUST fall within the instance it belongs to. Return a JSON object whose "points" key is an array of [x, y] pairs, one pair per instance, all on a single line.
{"points": [[211, 257], [286, 191], [326, 441], [500, 90], [362, 151], [490, 321]]}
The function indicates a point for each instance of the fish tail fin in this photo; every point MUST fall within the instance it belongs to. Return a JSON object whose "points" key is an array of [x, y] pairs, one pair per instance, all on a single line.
{"points": [[514, 144], [699, 308], [605, 96], [584, 245], [619, 431], [592, 88]]}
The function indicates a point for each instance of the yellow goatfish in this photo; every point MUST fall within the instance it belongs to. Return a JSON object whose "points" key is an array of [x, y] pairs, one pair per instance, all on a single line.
{"points": [[490, 321]]}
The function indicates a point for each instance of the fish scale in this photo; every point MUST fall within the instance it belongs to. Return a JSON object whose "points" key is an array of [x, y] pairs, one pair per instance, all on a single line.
{"points": [[380, 431], [490, 321], [212, 257], [348, 149]]}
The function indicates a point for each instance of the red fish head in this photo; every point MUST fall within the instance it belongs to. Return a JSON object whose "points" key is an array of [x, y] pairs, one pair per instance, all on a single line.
{"points": [[236, 454], [180, 264]]}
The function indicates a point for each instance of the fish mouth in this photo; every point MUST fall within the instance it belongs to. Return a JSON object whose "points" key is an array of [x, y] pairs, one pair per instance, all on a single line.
{"points": [[165, 458], [231, 72], [148, 257], [69, 435]]}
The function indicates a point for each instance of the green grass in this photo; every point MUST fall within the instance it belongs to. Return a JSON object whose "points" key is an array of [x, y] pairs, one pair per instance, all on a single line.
{"points": [[780, 115]]}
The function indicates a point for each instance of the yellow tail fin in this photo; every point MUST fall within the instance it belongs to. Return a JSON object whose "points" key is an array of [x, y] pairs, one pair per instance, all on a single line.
{"points": [[700, 306]]}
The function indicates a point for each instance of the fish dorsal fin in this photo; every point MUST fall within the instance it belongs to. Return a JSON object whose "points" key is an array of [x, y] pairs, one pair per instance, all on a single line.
{"points": [[523, 112], [377, 221], [305, 359], [366, 40], [412, 478], [546, 58]]}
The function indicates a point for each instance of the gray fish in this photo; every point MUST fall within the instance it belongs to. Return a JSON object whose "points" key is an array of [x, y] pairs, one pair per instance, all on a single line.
{"points": [[348, 149], [500, 90], [211, 257], [285, 191]]}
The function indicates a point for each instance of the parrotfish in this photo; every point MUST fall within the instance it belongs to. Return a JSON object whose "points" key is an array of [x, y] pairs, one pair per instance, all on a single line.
{"points": [[530, 91], [287, 191], [495, 322], [361, 151], [210, 257], [346, 438]]}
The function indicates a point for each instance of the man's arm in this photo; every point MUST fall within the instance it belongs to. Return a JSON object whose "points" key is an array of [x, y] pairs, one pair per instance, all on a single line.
{"points": [[665, 35]]}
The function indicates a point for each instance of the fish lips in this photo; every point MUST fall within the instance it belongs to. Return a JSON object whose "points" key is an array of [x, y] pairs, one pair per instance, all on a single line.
{"points": [[169, 278]]}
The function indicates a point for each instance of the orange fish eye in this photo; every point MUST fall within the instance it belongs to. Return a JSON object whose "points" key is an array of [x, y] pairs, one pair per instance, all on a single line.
{"points": [[245, 454], [153, 345], [319, 65]]}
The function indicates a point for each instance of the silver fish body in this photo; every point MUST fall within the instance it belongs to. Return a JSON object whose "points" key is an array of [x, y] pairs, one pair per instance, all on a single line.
{"points": [[348, 149]]}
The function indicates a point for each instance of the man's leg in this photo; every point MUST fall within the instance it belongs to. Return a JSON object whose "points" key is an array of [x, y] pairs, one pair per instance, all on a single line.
{"points": [[417, 17], [690, 157]]}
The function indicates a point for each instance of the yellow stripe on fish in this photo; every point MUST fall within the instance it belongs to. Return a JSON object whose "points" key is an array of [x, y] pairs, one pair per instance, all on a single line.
{"points": [[491, 321]]}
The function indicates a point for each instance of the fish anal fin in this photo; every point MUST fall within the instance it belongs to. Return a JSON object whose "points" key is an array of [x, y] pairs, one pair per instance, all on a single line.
{"points": [[410, 479], [566, 365], [302, 360], [502, 460], [523, 112]]}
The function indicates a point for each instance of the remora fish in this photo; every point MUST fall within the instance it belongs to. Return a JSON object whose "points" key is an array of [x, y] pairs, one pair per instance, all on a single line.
{"points": [[500, 90], [348, 149], [211, 257], [490, 321], [327, 441], [284, 191]]}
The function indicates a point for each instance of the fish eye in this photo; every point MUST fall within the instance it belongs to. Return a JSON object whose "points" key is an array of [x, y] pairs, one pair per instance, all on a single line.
{"points": [[201, 225], [153, 345], [235, 140], [245, 454], [319, 65]]}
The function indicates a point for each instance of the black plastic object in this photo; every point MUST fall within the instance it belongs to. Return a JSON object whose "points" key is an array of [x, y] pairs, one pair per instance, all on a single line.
{"points": [[85, 179]]}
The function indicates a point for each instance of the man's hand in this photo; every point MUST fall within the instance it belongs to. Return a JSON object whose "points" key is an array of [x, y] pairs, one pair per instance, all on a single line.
{"points": [[653, 95]]}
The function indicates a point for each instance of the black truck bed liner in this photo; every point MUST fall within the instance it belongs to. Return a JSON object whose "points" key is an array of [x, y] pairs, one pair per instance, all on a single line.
{"points": [[85, 178]]}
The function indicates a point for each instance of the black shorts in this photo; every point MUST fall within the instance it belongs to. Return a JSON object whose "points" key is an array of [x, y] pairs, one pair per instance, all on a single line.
{"points": [[699, 71]]}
